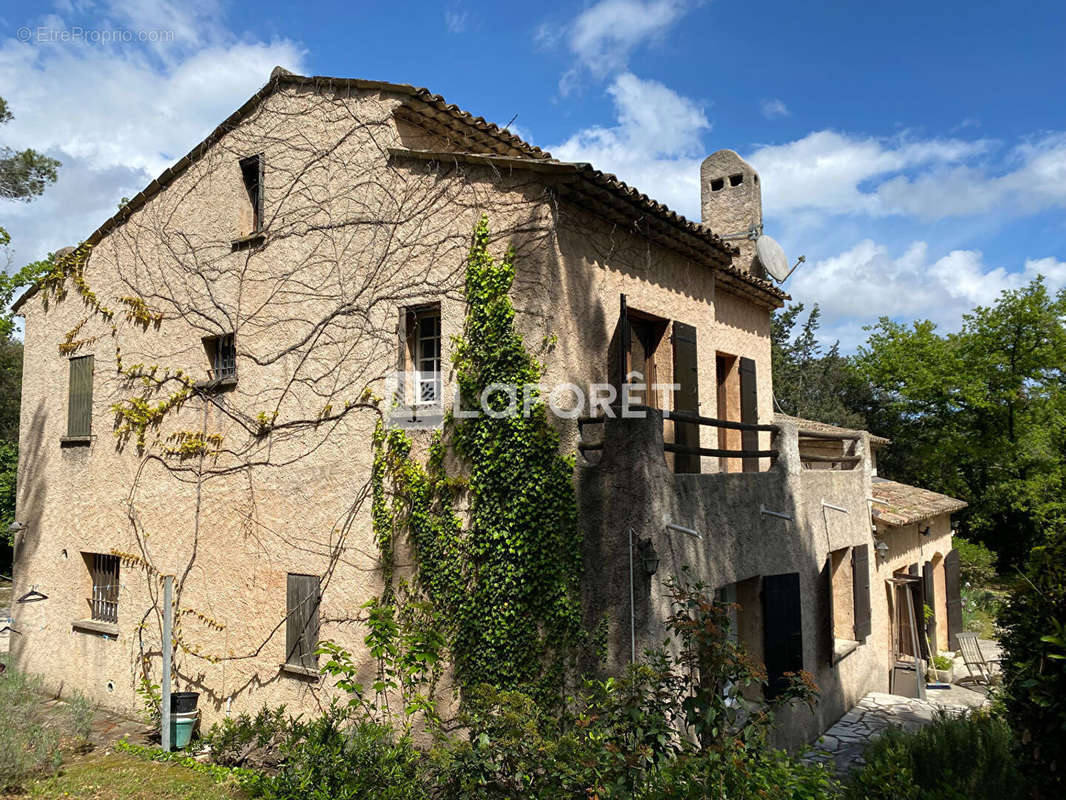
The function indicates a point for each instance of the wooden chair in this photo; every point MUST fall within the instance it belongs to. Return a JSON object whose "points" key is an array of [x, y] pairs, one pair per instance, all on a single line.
{"points": [[977, 665]]}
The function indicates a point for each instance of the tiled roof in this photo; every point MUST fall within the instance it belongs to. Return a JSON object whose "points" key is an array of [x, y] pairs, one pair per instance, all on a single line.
{"points": [[825, 427], [487, 134], [898, 504]]}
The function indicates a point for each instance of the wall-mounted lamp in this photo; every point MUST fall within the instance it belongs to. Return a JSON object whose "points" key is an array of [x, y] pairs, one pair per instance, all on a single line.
{"points": [[925, 531], [15, 528], [649, 557], [955, 525], [882, 548]]}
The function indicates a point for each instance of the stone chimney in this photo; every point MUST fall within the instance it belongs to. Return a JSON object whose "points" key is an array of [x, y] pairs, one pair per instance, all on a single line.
{"points": [[731, 204]]}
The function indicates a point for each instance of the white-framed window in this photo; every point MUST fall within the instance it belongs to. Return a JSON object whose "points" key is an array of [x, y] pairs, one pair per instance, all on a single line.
{"points": [[424, 341]]}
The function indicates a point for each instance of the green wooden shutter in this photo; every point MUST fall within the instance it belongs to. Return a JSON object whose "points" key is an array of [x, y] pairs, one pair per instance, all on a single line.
{"points": [[782, 629], [952, 593], [749, 411], [301, 625], [80, 397], [860, 584], [687, 395]]}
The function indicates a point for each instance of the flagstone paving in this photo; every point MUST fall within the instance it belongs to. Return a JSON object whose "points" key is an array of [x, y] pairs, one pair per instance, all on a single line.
{"points": [[842, 745]]}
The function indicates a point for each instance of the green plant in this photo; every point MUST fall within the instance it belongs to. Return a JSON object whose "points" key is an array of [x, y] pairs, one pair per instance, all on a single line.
{"points": [[249, 780], [232, 741], [31, 736], [977, 564], [954, 758], [942, 662], [406, 644], [336, 758], [151, 695], [1034, 666]]}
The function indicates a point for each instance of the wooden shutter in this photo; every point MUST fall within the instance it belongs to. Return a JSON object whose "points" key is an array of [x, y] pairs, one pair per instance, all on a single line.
{"points": [[686, 396], [749, 411], [825, 601], [80, 397], [952, 592], [622, 334], [929, 592], [860, 577], [782, 629], [301, 627], [260, 193]]}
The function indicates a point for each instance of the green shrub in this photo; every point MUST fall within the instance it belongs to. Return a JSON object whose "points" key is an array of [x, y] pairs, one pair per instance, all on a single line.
{"points": [[334, 758], [32, 736], [232, 741], [977, 564], [1034, 667], [955, 758]]}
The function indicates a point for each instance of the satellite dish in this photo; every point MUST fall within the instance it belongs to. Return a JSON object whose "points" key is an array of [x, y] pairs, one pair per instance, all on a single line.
{"points": [[772, 257]]}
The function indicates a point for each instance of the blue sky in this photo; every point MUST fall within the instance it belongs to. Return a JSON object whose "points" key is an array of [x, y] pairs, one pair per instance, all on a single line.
{"points": [[915, 152]]}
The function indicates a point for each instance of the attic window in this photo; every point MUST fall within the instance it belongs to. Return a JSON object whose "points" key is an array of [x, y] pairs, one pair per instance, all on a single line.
{"points": [[717, 184], [736, 180], [252, 173]]}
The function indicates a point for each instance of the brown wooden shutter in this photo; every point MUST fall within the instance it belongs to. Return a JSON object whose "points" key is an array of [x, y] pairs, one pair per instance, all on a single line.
{"points": [[782, 629], [301, 627], [80, 397], [953, 594], [749, 411], [826, 602], [687, 394], [929, 592], [860, 577], [622, 335]]}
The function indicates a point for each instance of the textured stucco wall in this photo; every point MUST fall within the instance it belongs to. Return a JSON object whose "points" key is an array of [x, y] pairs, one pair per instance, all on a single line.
{"points": [[352, 237], [631, 488]]}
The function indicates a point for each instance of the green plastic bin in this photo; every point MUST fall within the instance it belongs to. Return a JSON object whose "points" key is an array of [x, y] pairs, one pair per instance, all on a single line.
{"points": [[181, 728]]}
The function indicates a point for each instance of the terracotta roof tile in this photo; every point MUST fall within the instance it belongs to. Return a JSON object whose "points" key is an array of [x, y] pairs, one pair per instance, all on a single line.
{"points": [[898, 504], [825, 427]]}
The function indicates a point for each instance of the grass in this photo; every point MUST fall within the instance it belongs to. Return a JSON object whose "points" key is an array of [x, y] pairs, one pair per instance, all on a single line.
{"points": [[112, 775]]}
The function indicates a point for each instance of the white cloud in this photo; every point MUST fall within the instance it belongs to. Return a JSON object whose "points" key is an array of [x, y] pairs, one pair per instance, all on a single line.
{"points": [[655, 146], [773, 108], [604, 35], [117, 114], [867, 281], [456, 20], [835, 173]]}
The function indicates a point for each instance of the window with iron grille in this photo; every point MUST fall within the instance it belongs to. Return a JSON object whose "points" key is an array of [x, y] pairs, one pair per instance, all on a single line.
{"points": [[423, 346], [223, 356], [301, 622], [80, 397], [104, 599]]}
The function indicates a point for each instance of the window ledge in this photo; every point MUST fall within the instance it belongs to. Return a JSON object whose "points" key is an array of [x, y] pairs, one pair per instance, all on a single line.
{"points": [[75, 441], [843, 648], [216, 384], [96, 626], [303, 672], [247, 242]]}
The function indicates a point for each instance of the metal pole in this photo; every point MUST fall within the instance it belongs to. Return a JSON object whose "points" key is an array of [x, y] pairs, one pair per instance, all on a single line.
{"points": [[168, 628]]}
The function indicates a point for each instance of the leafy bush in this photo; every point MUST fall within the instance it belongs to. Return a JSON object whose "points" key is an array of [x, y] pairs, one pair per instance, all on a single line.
{"points": [[249, 740], [334, 758], [31, 735], [955, 758], [977, 564], [1034, 666]]}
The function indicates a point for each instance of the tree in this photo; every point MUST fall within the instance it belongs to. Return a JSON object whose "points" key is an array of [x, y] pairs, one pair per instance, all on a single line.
{"points": [[809, 381], [24, 174], [979, 414]]}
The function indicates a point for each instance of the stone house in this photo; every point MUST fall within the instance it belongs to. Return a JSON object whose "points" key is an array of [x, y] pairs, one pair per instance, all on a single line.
{"points": [[201, 403]]}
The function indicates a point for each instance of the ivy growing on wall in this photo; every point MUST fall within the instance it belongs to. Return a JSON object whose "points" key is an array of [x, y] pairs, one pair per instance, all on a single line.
{"points": [[507, 585]]}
